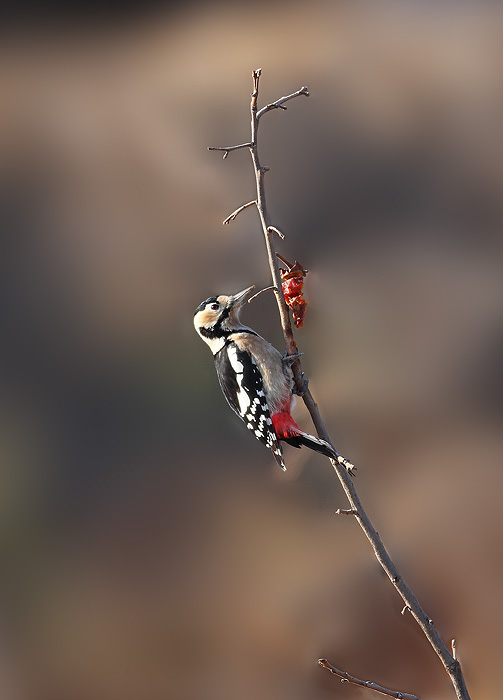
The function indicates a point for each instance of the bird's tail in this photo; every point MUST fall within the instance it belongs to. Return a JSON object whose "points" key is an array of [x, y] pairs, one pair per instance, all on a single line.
{"points": [[287, 429], [319, 445], [277, 453]]}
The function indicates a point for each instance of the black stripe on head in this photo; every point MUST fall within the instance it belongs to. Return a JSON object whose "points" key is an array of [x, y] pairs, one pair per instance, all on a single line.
{"points": [[225, 314], [202, 305], [215, 332]]}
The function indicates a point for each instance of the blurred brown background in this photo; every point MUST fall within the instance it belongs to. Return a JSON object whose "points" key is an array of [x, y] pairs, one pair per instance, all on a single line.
{"points": [[150, 548]]}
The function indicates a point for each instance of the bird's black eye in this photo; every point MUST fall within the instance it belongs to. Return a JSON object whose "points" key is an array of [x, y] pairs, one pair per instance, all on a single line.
{"points": [[215, 307]]}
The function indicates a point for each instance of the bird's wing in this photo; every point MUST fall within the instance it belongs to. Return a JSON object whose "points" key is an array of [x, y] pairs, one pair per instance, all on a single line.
{"points": [[242, 385]]}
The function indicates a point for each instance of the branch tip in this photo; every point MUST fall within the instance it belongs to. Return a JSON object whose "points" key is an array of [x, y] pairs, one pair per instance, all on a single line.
{"points": [[256, 77]]}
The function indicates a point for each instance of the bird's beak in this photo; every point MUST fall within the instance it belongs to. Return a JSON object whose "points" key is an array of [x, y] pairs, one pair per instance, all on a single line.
{"points": [[239, 298]]}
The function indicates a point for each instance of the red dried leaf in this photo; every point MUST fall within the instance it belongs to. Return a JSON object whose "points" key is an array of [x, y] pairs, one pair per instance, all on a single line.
{"points": [[292, 286]]}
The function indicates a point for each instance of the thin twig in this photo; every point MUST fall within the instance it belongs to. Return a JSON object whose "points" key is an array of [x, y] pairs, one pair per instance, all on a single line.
{"points": [[345, 676], [266, 289], [284, 260], [227, 149], [232, 216], [345, 511], [450, 663], [277, 231], [279, 103]]}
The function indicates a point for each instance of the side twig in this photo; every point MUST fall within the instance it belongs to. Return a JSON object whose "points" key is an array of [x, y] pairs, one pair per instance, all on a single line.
{"points": [[277, 231], [228, 149], [279, 103], [266, 289], [343, 511], [232, 216], [448, 659], [348, 678]]}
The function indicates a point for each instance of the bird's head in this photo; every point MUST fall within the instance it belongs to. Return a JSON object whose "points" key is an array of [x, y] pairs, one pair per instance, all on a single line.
{"points": [[217, 317]]}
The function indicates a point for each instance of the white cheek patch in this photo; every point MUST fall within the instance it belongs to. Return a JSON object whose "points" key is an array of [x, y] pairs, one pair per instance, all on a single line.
{"points": [[215, 344]]}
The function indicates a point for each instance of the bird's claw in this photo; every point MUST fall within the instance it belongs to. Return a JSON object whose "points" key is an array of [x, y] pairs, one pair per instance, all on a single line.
{"points": [[290, 359], [301, 392]]}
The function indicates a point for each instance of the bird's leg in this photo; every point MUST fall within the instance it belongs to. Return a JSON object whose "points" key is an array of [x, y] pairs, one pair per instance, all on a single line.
{"points": [[288, 360]]}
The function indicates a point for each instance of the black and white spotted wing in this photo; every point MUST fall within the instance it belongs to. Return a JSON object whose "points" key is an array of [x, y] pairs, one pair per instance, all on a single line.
{"points": [[242, 384]]}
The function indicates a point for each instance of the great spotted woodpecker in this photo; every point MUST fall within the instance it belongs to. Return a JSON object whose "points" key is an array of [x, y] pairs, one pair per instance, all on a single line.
{"points": [[255, 379]]}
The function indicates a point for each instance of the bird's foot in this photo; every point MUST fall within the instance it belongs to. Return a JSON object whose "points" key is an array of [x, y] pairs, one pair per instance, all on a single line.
{"points": [[302, 391], [290, 359]]}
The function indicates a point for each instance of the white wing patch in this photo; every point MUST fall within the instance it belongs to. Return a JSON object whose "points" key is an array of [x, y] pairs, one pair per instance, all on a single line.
{"points": [[245, 393], [242, 396]]}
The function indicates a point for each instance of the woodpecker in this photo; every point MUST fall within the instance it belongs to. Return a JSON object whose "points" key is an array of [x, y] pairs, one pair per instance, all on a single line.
{"points": [[256, 380]]}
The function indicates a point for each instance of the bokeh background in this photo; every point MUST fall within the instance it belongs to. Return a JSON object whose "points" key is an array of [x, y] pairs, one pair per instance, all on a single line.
{"points": [[150, 548]]}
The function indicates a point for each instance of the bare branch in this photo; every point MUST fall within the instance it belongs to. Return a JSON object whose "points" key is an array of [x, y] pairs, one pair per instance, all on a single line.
{"points": [[345, 676], [232, 216], [343, 468], [279, 103], [227, 149]]}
